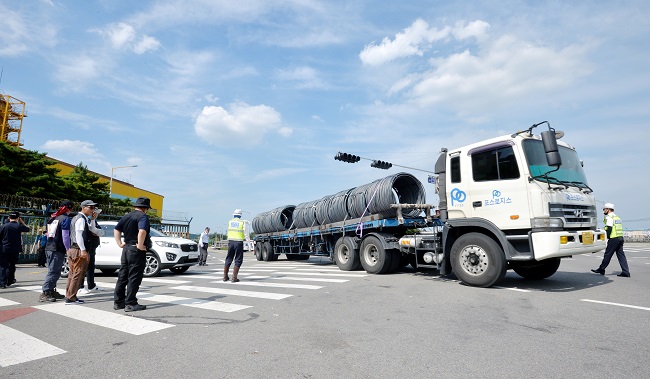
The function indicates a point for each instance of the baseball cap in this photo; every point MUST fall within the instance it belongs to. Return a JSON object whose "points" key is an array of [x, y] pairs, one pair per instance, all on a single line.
{"points": [[87, 203]]}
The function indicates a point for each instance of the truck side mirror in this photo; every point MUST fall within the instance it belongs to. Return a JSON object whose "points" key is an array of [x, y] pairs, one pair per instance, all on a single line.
{"points": [[550, 147]]}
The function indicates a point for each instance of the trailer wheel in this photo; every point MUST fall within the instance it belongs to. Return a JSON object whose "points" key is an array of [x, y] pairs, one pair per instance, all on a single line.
{"points": [[537, 270], [345, 255], [478, 260], [374, 258], [267, 252], [258, 251]]}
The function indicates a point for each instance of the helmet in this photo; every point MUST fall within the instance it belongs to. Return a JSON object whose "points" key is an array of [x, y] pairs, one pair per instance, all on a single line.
{"points": [[608, 206], [236, 212]]}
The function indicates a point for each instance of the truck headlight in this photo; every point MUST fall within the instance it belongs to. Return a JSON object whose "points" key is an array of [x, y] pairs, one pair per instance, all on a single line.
{"points": [[547, 223]]}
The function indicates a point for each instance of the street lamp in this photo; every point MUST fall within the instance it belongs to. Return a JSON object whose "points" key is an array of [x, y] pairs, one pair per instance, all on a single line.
{"points": [[110, 194]]}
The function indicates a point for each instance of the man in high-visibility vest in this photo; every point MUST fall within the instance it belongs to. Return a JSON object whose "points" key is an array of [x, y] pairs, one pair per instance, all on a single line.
{"points": [[614, 231], [235, 246]]}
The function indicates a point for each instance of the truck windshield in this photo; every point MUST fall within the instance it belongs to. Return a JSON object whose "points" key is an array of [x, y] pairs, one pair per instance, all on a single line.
{"points": [[570, 172]]}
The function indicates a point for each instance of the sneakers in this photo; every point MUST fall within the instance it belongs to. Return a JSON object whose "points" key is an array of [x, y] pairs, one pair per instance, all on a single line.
{"points": [[46, 297], [624, 275], [90, 290], [135, 307], [118, 306], [75, 301], [598, 271]]}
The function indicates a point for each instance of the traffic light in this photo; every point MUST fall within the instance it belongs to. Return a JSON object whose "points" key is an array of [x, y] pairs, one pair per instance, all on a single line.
{"points": [[345, 157], [381, 164]]}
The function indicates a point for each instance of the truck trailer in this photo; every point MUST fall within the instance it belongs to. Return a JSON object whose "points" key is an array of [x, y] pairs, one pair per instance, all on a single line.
{"points": [[519, 201]]}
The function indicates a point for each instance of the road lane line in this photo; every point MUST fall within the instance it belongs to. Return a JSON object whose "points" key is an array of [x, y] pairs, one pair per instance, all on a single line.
{"points": [[119, 322], [306, 279], [617, 304], [194, 303], [6, 302], [278, 285], [512, 289], [167, 281], [322, 274], [19, 347], [227, 291]]}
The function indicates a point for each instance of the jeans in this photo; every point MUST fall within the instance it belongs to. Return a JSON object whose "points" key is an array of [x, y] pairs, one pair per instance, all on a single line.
{"points": [[78, 262], [55, 261], [130, 276], [236, 252]]}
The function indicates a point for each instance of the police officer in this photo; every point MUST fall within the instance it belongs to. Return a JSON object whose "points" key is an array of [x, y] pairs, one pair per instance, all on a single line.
{"points": [[10, 247], [614, 231], [137, 241], [235, 246]]}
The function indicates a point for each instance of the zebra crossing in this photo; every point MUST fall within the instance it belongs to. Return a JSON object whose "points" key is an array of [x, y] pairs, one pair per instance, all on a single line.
{"points": [[263, 281]]}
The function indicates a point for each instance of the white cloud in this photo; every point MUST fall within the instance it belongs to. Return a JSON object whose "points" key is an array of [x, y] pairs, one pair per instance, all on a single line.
{"points": [[305, 77], [71, 148], [241, 125], [21, 35], [475, 29], [75, 72], [146, 44], [124, 36]]}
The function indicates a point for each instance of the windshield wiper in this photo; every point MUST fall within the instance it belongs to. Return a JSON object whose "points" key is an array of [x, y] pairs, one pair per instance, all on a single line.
{"points": [[582, 185], [548, 179]]}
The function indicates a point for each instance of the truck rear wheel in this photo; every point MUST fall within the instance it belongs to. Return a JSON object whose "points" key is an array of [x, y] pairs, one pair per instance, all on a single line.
{"points": [[345, 255], [478, 260], [374, 258], [258, 251], [267, 252], [537, 270]]}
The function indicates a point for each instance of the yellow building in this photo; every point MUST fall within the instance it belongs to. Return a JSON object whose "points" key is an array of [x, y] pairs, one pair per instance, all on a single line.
{"points": [[121, 189]]}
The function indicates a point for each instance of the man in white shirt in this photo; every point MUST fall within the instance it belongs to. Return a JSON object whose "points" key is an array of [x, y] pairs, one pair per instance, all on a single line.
{"points": [[204, 240]]}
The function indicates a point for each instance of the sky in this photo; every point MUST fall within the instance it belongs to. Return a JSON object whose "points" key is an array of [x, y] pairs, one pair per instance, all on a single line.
{"points": [[244, 104]]}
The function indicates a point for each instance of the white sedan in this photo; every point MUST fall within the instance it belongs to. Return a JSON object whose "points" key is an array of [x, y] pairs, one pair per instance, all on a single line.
{"points": [[175, 254]]}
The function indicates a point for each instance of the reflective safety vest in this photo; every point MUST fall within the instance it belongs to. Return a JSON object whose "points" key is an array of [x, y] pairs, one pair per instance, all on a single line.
{"points": [[236, 230], [616, 230]]}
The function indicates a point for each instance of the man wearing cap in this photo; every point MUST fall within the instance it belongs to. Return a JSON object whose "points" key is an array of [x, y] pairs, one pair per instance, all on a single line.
{"points": [[235, 246], [204, 240], [135, 226], [78, 257], [58, 242], [614, 231], [10, 247]]}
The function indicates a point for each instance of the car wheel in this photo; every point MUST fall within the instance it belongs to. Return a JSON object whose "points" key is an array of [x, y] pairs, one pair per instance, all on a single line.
{"points": [[179, 270], [107, 271], [152, 265], [65, 269]]}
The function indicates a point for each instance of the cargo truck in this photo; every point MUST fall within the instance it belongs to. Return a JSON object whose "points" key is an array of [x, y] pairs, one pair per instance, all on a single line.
{"points": [[518, 201]]}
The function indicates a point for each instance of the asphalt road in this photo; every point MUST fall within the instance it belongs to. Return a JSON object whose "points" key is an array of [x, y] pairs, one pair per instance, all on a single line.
{"points": [[306, 319]]}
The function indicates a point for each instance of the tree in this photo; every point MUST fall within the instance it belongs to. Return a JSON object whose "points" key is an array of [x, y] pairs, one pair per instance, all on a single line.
{"points": [[28, 173], [83, 184]]}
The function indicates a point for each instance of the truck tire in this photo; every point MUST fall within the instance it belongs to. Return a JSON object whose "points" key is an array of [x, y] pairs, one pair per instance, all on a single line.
{"points": [[267, 252], [374, 258], [537, 270], [258, 251], [478, 260], [345, 255], [396, 260]]}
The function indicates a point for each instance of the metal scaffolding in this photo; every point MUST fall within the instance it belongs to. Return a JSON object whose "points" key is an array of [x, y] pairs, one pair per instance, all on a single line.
{"points": [[12, 112]]}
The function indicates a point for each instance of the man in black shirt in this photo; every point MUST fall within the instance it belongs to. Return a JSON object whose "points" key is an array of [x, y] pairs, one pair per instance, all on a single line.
{"points": [[137, 241], [10, 247]]}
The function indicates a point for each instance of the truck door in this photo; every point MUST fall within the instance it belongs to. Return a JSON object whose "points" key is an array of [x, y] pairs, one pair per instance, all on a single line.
{"points": [[497, 190]]}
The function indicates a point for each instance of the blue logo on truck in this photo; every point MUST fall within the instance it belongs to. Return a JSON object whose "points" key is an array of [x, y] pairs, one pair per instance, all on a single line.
{"points": [[457, 196]]}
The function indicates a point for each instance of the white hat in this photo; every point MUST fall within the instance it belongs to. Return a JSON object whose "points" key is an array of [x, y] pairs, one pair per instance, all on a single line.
{"points": [[237, 212], [608, 206]]}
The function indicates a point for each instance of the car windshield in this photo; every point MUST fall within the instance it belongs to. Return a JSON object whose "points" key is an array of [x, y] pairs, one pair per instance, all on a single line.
{"points": [[108, 230], [570, 171]]}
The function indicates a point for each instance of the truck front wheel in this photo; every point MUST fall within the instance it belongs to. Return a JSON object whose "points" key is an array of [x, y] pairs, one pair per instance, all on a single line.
{"points": [[537, 270], [478, 260], [374, 258], [345, 256]]}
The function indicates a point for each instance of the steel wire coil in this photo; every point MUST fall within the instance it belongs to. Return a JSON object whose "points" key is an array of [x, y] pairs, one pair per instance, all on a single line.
{"points": [[275, 220]]}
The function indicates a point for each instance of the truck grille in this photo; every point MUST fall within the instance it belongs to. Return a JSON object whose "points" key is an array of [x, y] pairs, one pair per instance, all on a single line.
{"points": [[189, 247], [573, 215]]}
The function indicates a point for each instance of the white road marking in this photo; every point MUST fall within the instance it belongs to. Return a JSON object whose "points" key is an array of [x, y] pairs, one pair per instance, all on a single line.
{"points": [[38, 289], [278, 285], [20, 347], [167, 281], [322, 269], [306, 279], [119, 322], [226, 291], [323, 274], [512, 289], [6, 302], [617, 304], [194, 303]]}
